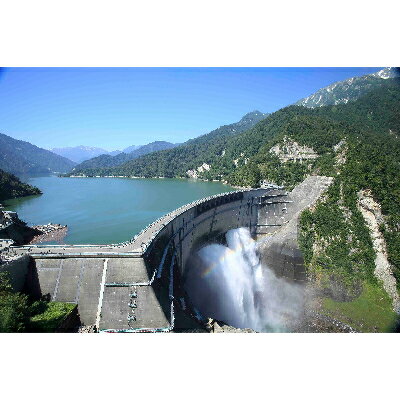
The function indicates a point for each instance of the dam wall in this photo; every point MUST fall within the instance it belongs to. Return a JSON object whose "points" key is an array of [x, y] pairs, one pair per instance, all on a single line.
{"points": [[205, 222], [137, 286], [17, 271]]}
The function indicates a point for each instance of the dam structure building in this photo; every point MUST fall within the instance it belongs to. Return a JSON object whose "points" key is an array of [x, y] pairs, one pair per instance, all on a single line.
{"points": [[138, 285]]}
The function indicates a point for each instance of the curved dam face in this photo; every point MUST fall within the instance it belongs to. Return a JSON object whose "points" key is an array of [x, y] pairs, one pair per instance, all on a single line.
{"points": [[173, 249], [138, 286], [207, 221]]}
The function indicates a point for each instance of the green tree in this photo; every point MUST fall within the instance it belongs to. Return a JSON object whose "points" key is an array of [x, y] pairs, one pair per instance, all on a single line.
{"points": [[14, 308]]}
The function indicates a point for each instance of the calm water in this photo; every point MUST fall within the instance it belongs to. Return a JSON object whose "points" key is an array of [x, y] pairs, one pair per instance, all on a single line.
{"points": [[107, 210]]}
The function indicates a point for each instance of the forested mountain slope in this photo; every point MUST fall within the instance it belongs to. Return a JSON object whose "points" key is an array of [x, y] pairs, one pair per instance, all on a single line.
{"points": [[377, 112], [106, 160], [129, 149], [19, 157], [11, 187]]}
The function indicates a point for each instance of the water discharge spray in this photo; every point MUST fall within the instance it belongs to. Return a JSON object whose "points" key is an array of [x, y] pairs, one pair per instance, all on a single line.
{"points": [[230, 284]]}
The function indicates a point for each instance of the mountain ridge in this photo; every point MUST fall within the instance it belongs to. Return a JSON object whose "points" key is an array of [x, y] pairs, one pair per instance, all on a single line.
{"points": [[129, 149], [106, 160], [78, 153], [341, 92], [20, 157]]}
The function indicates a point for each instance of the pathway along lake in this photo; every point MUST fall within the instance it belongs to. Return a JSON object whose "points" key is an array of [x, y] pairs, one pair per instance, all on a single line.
{"points": [[107, 210]]}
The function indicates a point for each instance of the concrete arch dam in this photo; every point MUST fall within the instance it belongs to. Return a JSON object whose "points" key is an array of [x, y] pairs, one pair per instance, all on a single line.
{"points": [[137, 286]]}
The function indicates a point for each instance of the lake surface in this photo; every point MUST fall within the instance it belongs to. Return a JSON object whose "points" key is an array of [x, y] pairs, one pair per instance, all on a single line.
{"points": [[107, 210]]}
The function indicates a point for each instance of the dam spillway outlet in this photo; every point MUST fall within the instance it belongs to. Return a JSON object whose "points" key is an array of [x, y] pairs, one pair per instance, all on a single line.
{"points": [[230, 284]]}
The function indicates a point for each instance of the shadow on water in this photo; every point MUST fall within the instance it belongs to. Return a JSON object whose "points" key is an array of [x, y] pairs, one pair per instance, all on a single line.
{"points": [[11, 203]]}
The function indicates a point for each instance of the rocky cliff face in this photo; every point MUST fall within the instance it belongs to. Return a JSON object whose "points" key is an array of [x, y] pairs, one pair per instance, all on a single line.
{"points": [[371, 211], [196, 173], [11, 227], [289, 150]]}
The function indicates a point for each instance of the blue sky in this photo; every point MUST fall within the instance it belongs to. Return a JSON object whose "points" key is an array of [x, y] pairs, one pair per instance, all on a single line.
{"points": [[114, 108]]}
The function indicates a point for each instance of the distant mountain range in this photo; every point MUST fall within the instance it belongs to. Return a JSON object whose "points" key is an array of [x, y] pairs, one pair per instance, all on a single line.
{"points": [[174, 160], [107, 160], [19, 157], [348, 90], [129, 149], [79, 154]]}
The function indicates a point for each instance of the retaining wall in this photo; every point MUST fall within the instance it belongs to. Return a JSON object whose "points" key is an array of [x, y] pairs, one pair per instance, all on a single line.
{"points": [[18, 270]]}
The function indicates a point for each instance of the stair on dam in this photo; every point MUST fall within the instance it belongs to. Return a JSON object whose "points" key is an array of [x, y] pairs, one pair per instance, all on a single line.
{"points": [[126, 270], [132, 308], [129, 302]]}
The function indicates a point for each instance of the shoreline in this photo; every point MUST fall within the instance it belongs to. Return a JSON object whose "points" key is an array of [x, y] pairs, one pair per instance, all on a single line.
{"points": [[49, 233], [159, 177]]}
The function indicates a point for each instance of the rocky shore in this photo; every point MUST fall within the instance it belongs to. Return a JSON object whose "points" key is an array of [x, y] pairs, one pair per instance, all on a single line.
{"points": [[49, 232]]}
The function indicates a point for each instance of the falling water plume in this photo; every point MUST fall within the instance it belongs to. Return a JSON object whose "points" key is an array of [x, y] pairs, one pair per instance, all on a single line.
{"points": [[228, 283]]}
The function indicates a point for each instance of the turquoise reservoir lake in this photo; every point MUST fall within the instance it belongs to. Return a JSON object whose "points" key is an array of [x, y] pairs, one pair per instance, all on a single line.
{"points": [[107, 210]]}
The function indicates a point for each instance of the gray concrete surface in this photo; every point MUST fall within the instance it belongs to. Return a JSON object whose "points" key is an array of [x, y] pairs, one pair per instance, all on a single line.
{"points": [[17, 271], [278, 245], [126, 270]]}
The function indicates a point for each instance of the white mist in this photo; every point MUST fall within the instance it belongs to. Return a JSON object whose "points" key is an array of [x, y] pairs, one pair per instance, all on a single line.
{"points": [[230, 284]]}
